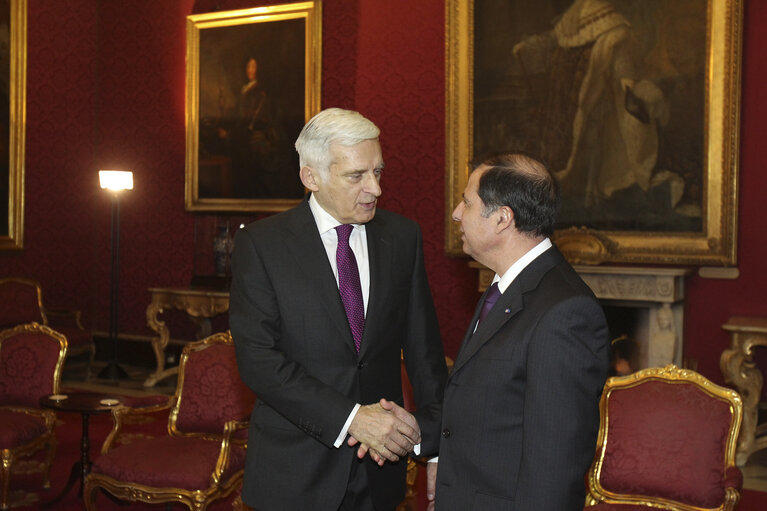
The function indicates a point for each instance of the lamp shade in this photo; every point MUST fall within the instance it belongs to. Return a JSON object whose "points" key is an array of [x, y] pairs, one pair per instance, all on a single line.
{"points": [[116, 179]]}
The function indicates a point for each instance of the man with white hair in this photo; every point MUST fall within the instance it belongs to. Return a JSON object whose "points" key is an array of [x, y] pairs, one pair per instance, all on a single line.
{"points": [[325, 300]]}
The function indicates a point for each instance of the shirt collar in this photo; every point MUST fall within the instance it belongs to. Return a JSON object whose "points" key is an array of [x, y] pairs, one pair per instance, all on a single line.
{"points": [[324, 220], [520, 264]]}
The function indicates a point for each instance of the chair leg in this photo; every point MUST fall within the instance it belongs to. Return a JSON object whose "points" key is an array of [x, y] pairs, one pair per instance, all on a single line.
{"points": [[52, 444], [5, 478], [89, 364], [89, 495]]}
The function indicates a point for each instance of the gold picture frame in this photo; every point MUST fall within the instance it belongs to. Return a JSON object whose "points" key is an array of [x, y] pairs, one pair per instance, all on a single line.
{"points": [[14, 18], [484, 103], [252, 81]]}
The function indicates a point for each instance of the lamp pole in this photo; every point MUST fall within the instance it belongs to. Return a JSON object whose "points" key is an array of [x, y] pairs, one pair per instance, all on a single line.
{"points": [[113, 371]]}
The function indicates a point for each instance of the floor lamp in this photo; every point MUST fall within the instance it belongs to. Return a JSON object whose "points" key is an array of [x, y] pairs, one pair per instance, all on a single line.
{"points": [[115, 181]]}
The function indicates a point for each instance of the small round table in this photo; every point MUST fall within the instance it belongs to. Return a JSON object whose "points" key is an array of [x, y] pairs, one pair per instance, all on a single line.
{"points": [[86, 404]]}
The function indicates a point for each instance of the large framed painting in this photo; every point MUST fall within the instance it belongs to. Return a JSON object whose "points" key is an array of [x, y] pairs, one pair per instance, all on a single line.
{"points": [[13, 86], [634, 106], [253, 80]]}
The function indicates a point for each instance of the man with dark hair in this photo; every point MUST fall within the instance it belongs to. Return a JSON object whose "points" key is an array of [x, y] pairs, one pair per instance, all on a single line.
{"points": [[521, 409]]}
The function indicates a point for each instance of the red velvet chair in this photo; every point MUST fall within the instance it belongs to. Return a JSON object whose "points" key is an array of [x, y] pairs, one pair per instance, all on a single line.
{"points": [[667, 440], [22, 302], [203, 456], [31, 360]]}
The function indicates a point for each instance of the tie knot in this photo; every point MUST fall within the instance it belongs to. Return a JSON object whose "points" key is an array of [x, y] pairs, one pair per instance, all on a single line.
{"points": [[344, 231], [493, 294]]}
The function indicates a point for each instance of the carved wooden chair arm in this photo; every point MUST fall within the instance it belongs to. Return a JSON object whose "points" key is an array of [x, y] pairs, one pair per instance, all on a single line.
{"points": [[119, 414], [49, 416], [230, 429], [64, 317]]}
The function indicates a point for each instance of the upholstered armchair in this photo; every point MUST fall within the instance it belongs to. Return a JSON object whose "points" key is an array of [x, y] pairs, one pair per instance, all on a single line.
{"points": [[31, 360], [22, 301], [203, 456], [667, 440]]}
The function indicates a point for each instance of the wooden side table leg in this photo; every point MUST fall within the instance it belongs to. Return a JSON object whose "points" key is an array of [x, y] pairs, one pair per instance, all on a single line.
{"points": [[202, 326], [85, 454], [738, 368], [158, 343]]}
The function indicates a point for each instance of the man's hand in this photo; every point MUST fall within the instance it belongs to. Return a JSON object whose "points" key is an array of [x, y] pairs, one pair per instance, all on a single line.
{"points": [[402, 415], [431, 484], [384, 430]]}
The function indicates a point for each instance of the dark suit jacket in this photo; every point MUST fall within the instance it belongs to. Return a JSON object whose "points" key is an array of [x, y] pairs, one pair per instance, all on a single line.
{"points": [[521, 409], [295, 350]]}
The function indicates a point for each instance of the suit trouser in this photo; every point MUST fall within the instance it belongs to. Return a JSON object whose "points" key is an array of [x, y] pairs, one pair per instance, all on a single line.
{"points": [[357, 496]]}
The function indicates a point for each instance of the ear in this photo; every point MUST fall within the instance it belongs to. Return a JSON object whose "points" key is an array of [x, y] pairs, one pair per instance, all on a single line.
{"points": [[504, 219], [309, 178]]}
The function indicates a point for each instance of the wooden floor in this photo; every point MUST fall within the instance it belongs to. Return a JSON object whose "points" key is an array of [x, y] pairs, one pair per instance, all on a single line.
{"points": [[133, 384], [755, 472]]}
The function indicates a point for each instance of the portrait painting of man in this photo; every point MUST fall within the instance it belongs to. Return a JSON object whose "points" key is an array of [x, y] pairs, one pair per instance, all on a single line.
{"points": [[251, 108]]}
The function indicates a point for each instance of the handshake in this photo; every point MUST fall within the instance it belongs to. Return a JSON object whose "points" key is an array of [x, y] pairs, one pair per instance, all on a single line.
{"points": [[384, 430]]}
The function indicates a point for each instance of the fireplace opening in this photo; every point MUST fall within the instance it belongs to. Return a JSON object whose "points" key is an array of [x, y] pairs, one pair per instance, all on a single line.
{"points": [[643, 335], [626, 332]]}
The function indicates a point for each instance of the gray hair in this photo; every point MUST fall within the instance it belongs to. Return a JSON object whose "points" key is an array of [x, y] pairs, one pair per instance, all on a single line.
{"points": [[331, 126]]}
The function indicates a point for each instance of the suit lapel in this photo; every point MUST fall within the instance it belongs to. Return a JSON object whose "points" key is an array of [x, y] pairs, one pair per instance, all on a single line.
{"points": [[379, 259], [313, 266], [510, 303]]}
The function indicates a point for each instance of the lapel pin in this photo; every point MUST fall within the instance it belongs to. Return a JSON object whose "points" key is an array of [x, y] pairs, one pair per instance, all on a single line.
{"points": [[507, 311]]}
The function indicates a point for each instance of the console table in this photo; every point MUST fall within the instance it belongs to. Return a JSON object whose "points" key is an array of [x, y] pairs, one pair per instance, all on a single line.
{"points": [[199, 304], [738, 369]]}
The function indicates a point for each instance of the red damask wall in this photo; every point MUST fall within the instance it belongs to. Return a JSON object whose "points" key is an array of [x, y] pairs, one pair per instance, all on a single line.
{"points": [[106, 89]]}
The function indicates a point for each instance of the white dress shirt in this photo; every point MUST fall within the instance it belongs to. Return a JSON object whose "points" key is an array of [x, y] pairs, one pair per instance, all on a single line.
{"points": [[326, 225]]}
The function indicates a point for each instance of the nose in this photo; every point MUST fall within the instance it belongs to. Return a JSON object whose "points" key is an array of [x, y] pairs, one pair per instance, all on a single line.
{"points": [[458, 212], [372, 186]]}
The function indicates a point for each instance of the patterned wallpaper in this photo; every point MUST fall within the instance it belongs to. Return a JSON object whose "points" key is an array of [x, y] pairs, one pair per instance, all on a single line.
{"points": [[61, 190], [106, 88]]}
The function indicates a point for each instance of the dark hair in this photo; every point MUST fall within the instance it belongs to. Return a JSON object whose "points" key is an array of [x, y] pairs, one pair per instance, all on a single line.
{"points": [[525, 185]]}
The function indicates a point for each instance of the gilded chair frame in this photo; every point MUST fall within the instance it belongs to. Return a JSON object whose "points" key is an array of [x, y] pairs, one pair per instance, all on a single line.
{"points": [[668, 374], [72, 317], [9, 455], [196, 500], [38, 289]]}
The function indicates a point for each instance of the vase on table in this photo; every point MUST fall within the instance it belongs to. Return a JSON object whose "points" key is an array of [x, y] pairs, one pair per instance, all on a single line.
{"points": [[222, 250]]}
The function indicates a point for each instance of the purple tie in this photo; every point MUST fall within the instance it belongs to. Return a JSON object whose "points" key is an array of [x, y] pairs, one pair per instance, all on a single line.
{"points": [[490, 298], [349, 284]]}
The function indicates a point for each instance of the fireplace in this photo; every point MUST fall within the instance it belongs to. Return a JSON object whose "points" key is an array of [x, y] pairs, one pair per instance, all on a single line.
{"points": [[646, 305]]}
